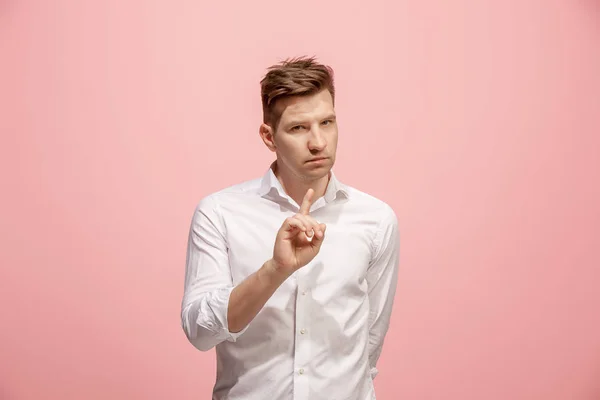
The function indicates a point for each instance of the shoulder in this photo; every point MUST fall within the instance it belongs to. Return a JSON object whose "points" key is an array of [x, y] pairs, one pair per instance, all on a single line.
{"points": [[371, 204], [209, 209], [233, 192]]}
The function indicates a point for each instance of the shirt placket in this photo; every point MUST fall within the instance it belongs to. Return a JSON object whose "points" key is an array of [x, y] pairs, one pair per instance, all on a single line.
{"points": [[302, 372]]}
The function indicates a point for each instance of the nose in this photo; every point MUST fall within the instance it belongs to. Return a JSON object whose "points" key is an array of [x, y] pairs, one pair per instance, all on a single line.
{"points": [[316, 141]]}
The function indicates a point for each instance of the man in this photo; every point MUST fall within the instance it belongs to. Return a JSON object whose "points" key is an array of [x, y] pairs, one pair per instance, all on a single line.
{"points": [[291, 277]]}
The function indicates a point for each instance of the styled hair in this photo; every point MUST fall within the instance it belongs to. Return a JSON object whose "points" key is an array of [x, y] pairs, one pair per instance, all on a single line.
{"points": [[299, 76]]}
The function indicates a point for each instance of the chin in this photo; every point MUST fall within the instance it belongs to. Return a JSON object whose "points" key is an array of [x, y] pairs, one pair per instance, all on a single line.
{"points": [[319, 172]]}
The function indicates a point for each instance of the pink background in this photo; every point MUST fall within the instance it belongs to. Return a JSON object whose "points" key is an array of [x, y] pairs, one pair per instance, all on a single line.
{"points": [[478, 121]]}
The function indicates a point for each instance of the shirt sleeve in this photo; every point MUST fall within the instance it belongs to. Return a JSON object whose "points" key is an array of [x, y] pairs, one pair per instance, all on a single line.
{"points": [[208, 282], [382, 281]]}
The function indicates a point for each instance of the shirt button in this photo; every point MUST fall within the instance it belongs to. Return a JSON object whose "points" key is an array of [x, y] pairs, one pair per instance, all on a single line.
{"points": [[301, 371], [303, 293], [302, 331]]}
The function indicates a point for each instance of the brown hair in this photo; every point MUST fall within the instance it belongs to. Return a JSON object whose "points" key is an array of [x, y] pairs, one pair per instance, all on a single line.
{"points": [[293, 77]]}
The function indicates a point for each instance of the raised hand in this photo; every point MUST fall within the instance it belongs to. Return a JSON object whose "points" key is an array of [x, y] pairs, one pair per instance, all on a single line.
{"points": [[299, 239]]}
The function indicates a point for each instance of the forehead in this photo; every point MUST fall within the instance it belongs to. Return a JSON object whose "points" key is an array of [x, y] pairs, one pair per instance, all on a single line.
{"points": [[308, 106]]}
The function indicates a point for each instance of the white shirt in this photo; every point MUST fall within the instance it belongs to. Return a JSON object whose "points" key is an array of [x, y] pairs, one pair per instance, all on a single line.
{"points": [[321, 333]]}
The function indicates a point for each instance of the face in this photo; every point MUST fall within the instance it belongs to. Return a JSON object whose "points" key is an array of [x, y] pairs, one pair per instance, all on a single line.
{"points": [[306, 137]]}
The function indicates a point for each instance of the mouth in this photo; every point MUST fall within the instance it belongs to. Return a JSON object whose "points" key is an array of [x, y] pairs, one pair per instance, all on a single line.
{"points": [[317, 159]]}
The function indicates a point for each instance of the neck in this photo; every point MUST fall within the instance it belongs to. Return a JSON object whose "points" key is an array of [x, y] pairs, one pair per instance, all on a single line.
{"points": [[296, 188]]}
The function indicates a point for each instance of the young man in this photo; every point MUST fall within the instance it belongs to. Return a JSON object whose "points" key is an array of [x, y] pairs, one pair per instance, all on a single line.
{"points": [[291, 277]]}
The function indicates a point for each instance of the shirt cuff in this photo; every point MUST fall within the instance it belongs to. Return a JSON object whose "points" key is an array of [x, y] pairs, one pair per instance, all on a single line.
{"points": [[217, 305], [374, 371]]}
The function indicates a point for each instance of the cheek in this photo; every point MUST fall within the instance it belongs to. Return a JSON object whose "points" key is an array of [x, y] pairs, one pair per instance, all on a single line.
{"points": [[333, 139], [289, 149]]}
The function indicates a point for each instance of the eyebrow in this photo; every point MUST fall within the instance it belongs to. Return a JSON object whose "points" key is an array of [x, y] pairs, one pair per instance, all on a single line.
{"points": [[300, 122]]}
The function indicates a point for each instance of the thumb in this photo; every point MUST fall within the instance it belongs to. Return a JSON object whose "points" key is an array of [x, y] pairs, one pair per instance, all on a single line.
{"points": [[316, 241]]}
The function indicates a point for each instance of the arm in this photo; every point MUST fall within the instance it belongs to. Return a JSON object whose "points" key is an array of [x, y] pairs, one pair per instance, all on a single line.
{"points": [[208, 283], [382, 280], [212, 310], [250, 296]]}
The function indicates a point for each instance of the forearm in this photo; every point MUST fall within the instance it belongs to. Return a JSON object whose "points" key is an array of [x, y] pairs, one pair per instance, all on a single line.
{"points": [[250, 296]]}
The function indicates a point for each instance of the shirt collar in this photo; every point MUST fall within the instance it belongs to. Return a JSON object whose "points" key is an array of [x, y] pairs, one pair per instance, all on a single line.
{"points": [[271, 186]]}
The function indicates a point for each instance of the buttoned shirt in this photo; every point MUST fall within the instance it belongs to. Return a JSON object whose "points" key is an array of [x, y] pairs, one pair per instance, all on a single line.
{"points": [[321, 333]]}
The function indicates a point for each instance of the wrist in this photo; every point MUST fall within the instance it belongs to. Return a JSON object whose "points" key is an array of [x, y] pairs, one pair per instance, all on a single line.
{"points": [[272, 272]]}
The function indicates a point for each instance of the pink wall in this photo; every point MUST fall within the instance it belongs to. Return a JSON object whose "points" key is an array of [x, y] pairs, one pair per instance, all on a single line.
{"points": [[478, 121]]}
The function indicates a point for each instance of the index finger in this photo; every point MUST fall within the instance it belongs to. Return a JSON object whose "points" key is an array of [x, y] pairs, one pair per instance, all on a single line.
{"points": [[307, 202]]}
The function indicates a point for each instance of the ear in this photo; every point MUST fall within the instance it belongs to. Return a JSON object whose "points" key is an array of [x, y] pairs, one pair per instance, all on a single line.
{"points": [[267, 135]]}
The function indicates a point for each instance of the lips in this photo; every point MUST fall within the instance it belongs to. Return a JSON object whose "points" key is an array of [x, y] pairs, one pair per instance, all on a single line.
{"points": [[317, 159]]}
